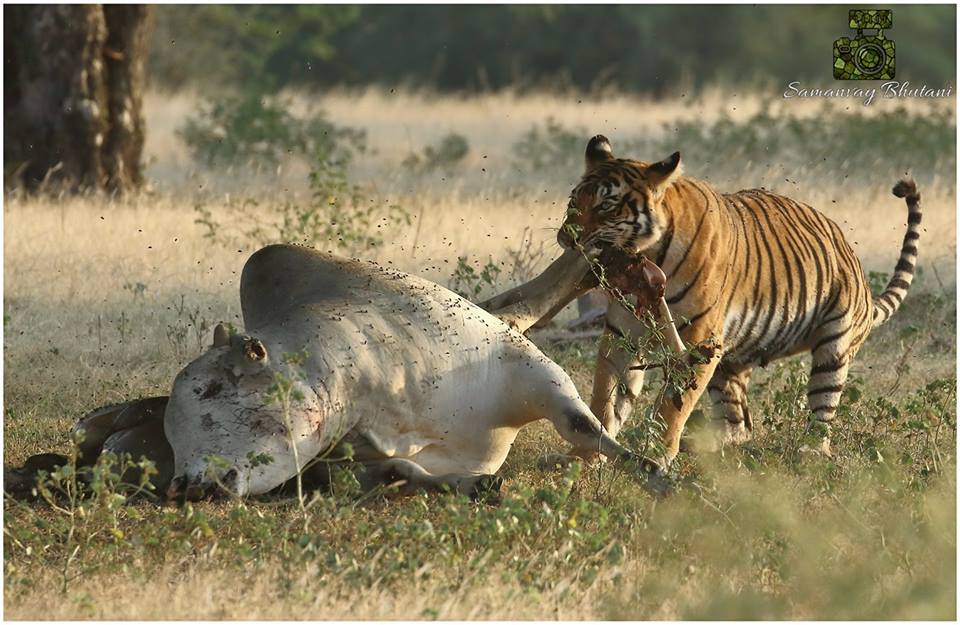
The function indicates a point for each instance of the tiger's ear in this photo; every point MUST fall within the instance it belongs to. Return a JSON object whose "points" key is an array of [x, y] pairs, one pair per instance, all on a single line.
{"points": [[662, 174], [598, 151]]}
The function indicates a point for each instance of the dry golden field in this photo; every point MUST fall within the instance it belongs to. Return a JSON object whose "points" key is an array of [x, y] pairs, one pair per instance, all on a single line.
{"points": [[106, 299]]}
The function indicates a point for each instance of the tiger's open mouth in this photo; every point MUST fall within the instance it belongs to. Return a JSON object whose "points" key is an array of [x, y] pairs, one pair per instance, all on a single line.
{"points": [[591, 247]]}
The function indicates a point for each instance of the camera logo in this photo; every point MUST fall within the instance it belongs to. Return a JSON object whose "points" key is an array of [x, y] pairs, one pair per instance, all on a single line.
{"points": [[866, 57]]}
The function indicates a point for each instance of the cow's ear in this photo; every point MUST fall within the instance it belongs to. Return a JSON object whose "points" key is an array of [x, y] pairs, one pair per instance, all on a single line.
{"points": [[653, 275], [663, 173], [221, 336], [598, 151], [254, 350]]}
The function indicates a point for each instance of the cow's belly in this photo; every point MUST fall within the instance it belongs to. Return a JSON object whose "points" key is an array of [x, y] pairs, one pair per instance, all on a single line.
{"points": [[462, 451], [445, 404], [460, 423]]}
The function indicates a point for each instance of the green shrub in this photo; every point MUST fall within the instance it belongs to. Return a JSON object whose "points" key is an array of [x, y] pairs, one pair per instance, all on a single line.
{"points": [[832, 144], [340, 215], [554, 146], [468, 283], [260, 129], [446, 155]]}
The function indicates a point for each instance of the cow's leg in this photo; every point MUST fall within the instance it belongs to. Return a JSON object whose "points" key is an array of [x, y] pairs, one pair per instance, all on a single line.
{"points": [[20, 481], [616, 384], [403, 475], [409, 477], [540, 299], [95, 427], [147, 440], [134, 428], [575, 422], [675, 408]]}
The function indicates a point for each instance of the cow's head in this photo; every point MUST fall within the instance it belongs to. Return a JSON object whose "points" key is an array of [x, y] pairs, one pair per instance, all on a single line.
{"points": [[233, 417]]}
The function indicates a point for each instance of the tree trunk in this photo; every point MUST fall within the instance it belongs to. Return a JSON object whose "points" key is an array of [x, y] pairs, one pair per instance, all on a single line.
{"points": [[125, 52], [73, 92]]}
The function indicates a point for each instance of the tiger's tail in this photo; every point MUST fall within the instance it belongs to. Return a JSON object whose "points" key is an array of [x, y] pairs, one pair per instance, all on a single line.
{"points": [[887, 303]]}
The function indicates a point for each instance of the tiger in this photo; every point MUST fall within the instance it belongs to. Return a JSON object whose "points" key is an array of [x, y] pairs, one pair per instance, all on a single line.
{"points": [[759, 274]]}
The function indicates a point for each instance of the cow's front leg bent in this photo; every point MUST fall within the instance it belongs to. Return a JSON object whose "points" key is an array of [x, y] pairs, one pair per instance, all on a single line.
{"points": [[575, 422], [617, 380], [408, 477]]}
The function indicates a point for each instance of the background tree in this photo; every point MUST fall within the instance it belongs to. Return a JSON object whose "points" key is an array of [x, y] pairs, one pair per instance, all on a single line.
{"points": [[73, 83], [650, 49]]}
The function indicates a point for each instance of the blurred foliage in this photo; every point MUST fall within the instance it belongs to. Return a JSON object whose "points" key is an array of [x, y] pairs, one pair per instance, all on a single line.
{"points": [[446, 154], [254, 46], [763, 531], [633, 48], [252, 127], [553, 146], [340, 216], [847, 145], [850, 146], [469, 283]]}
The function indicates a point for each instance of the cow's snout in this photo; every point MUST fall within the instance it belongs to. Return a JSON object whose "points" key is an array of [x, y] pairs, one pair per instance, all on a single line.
{"points": [[177, 488], [184, 488]]}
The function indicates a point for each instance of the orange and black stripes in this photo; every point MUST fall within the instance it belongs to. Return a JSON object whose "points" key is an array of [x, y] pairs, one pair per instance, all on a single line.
{"points": [[889, 301]]}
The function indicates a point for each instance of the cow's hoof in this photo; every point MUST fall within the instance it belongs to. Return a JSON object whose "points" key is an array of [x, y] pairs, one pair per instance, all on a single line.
{"points": [[553, 462], [821, 450], [656, 479], [660, 483], [20, 481], [487, 488]]}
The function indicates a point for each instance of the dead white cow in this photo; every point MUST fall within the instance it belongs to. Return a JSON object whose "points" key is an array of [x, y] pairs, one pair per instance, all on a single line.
{"points": [[427, 388]]}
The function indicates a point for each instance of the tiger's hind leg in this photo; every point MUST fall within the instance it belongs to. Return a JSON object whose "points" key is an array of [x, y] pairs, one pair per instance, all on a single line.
{"points": [[832, 353], [728, 393]]}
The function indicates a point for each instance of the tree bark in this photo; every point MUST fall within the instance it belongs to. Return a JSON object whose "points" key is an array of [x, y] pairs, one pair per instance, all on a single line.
{"points": [[73, 94], [126, 49]]}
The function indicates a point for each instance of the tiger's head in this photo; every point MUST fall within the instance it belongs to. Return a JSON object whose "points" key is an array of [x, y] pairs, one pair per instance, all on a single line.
{"points": [[619, 202]]}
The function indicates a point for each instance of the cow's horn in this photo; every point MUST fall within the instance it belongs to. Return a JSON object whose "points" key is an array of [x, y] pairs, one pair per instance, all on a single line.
{"points": [[221, 336]]}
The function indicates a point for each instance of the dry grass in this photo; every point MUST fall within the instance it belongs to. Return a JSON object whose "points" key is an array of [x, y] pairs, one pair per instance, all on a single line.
{"points": [[771, 536]]}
